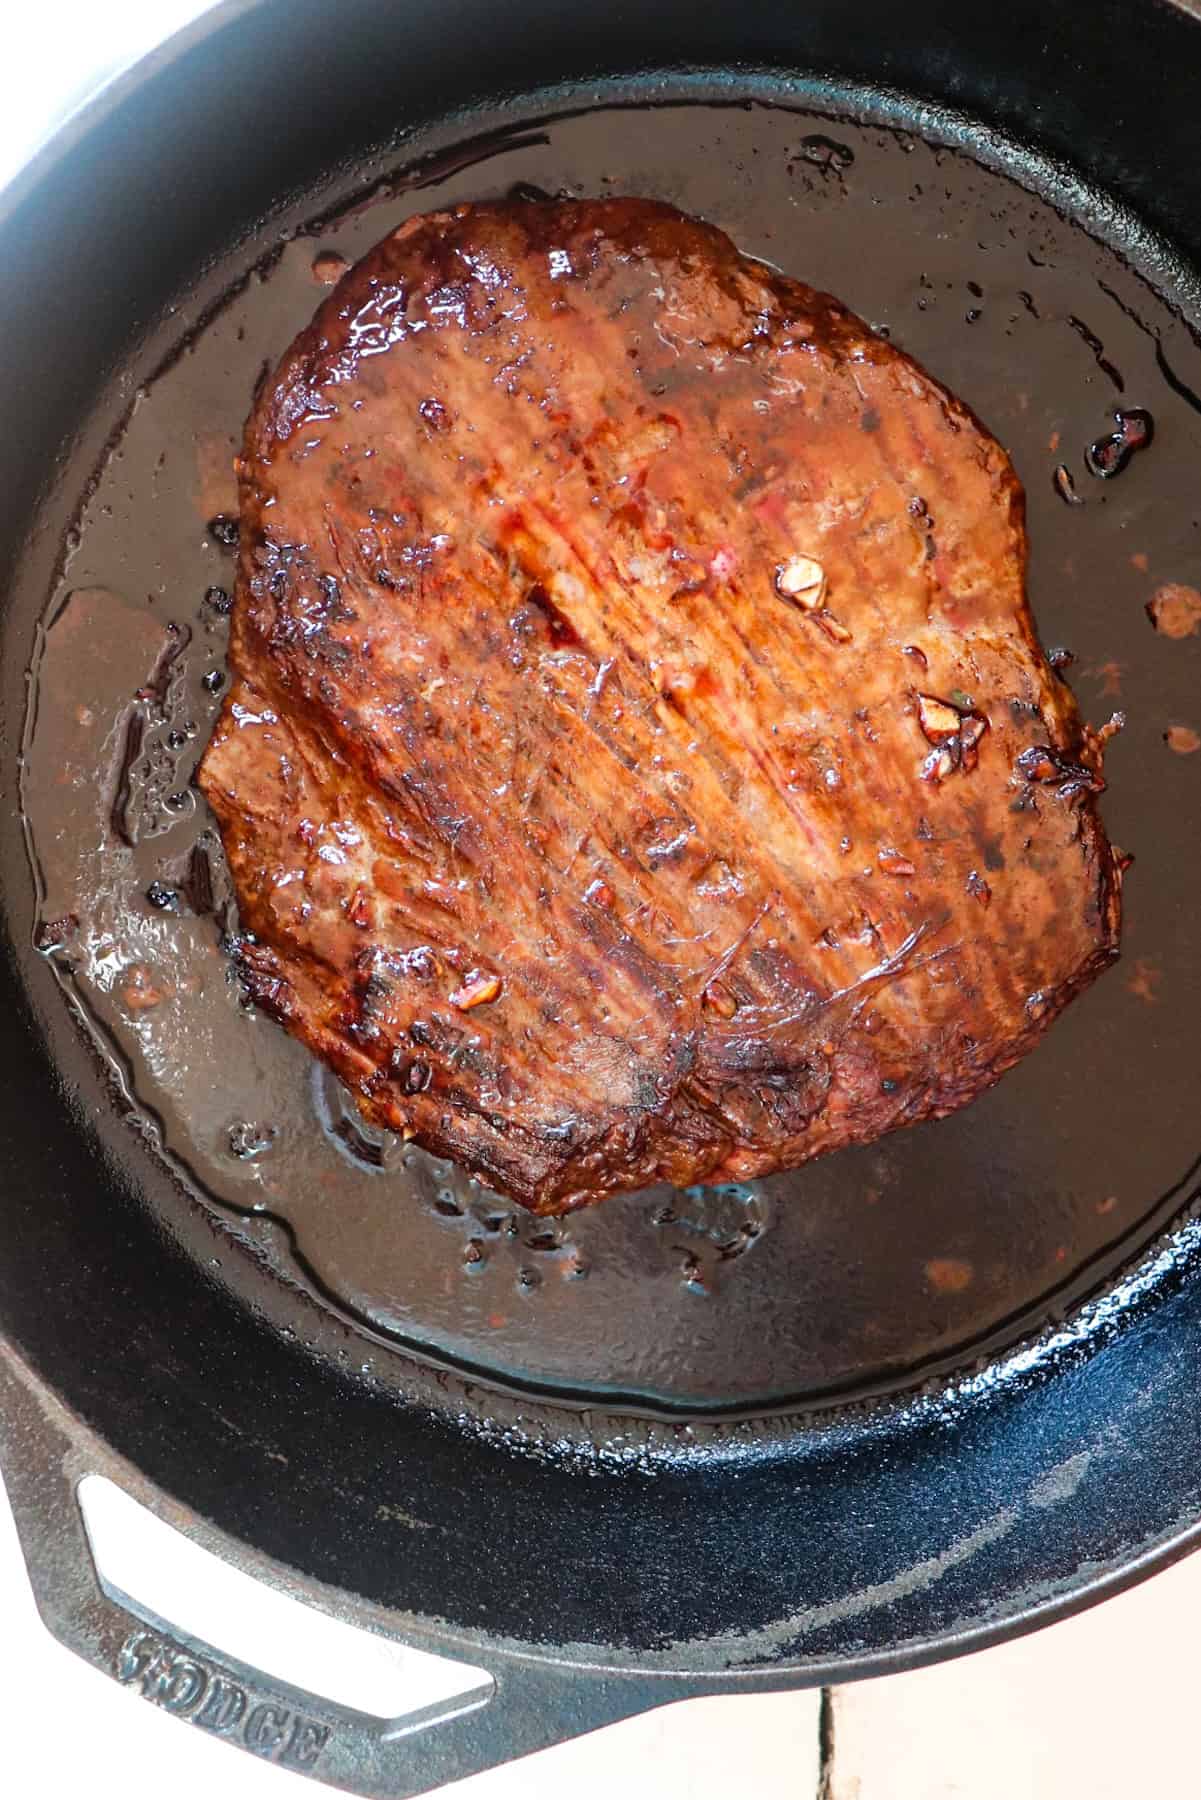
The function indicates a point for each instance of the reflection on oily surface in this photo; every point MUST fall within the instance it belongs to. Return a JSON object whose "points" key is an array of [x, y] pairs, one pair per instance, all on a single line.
{"points": [[862, 1268]]}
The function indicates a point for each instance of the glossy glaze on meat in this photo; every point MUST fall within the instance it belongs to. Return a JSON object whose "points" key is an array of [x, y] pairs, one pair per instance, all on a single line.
{"points": [[639, 762]]}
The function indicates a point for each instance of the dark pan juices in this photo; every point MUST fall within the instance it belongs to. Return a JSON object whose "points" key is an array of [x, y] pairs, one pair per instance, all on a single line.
{"points": [[865, 1271]]}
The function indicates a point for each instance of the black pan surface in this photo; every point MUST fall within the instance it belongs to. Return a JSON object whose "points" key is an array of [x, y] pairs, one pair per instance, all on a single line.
{"points": [[817, 1421]]}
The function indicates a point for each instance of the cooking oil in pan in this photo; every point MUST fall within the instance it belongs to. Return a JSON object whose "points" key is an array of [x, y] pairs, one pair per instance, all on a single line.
{"points": [[868, 1269]]}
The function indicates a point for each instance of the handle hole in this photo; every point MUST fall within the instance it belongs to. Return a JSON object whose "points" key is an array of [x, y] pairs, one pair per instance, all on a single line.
{"points": [[143, 1561]]}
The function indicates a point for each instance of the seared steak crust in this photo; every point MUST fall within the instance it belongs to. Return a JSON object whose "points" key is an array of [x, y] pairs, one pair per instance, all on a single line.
{"points": [[639, 763]]}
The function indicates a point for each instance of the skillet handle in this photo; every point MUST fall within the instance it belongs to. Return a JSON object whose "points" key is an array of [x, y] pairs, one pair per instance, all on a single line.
{"points": [[527, 1704]]}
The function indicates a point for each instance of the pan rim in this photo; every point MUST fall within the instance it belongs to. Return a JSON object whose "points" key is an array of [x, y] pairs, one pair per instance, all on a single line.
{"points": [[691, 1675]]}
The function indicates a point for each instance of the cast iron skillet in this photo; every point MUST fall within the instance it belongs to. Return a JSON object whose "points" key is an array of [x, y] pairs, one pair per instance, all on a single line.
{"points": [[977, 1408]]}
